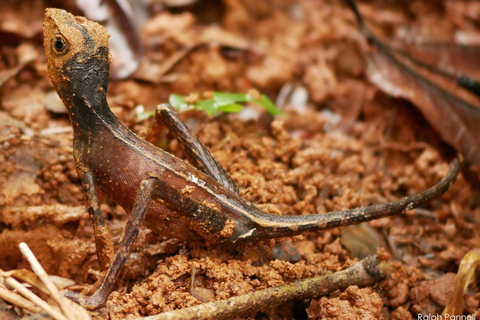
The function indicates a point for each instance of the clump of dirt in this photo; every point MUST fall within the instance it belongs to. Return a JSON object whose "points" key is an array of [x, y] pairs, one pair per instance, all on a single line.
{"points": [[340, 144], [354, 303]]}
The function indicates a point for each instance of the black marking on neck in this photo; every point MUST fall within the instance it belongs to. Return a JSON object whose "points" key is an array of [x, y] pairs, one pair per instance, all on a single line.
{"points": [[86, 89]]}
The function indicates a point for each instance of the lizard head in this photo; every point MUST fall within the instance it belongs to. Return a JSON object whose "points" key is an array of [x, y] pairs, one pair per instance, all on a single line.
{"points": [[77, 54]]}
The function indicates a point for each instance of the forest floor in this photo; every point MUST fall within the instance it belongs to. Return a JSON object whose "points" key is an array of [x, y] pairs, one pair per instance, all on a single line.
{"points": [[341, 143]]}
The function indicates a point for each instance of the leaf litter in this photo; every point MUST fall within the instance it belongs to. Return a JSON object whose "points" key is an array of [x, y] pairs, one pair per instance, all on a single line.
{"points": [[299, 163]]}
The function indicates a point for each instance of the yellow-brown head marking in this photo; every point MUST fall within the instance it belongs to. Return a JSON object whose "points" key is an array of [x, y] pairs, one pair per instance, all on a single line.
{"points": [[77, 56], [66, 35]]}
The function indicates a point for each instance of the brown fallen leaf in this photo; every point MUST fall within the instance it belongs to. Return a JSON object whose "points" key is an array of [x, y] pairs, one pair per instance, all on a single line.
{"points": [[211, 36], [362, 240], [155, 72], [456, 62], [449, 57], [26, 55], [453, 112], [454, 119], [214, 35], [29, 277]]}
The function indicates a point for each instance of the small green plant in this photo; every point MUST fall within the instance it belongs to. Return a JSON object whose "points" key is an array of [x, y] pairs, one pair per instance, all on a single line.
{"points": [[219, 101]]}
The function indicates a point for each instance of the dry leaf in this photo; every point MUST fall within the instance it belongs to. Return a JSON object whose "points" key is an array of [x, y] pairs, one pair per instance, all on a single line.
{"points": [[463, 278], [449, 57], [28, 277], [451, 110], [362, 240], [454, 119], [26, 55]]}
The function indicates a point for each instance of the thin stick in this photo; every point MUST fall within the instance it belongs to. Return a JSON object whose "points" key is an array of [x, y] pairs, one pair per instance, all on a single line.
{"points": [[42, 274], [364, 273], [65, 305], [17, 300], [52, 312]]}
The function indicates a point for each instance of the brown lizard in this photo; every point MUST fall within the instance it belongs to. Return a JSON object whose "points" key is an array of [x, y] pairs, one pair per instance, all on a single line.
{"points": [[175, 198]]}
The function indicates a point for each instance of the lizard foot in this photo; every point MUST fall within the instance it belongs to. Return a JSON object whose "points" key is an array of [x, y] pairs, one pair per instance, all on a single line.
{"points": [[88, 302]]}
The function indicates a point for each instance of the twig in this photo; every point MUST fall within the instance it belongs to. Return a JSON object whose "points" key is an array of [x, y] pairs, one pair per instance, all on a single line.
{"points": [[71, 311], [40, 272], [17, 300], [54, 313], [364, 273]]}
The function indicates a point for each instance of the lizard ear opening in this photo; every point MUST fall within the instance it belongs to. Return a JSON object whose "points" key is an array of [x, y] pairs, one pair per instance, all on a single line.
{"points": [[59, 45]]}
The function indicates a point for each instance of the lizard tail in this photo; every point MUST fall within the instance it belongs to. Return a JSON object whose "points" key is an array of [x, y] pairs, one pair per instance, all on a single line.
{"points": [[274, 226]]}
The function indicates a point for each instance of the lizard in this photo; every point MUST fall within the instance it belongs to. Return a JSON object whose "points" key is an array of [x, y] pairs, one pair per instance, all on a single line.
{"points": [[173, 197]]}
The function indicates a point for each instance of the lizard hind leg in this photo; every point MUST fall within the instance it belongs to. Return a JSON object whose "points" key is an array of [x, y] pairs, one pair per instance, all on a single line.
{"points": [[196, 151]]}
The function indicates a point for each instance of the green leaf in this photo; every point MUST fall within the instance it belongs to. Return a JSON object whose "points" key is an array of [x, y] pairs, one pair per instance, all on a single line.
{"points": [[145, 115], [206, 105], [142, 114], [177, 101], [268, 105], [231, 107], [224, 102], [222, 98]]}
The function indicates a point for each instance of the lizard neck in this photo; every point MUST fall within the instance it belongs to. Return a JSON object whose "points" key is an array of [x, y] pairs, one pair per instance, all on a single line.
{"points": [[91, 115], [83, 89]]}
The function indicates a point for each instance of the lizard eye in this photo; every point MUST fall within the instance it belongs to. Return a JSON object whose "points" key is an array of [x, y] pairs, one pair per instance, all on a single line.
{"points": [[59, 45]]}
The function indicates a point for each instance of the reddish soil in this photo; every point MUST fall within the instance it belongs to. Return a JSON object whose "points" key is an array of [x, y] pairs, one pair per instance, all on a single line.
{"points": [[341, 143]]}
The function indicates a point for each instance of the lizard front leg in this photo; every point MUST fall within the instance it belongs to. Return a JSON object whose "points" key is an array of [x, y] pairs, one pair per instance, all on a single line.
{"points": [[145, 193], [103, 242]]}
